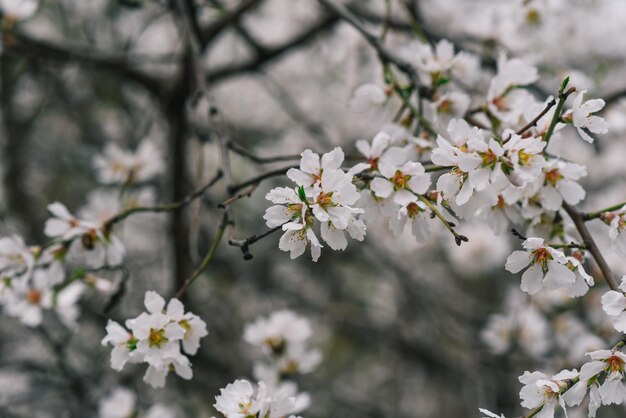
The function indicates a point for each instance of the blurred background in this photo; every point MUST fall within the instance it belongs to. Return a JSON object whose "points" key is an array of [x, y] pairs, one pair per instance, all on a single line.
{"points": [[406, 330]]}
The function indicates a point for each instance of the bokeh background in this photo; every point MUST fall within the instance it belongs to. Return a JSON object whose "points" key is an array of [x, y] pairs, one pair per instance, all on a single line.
{"points": [[406, 330]]}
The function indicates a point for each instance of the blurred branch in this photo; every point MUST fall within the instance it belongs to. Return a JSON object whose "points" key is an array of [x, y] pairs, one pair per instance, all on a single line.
{"points": [[258, 179], [207, 258], [230, 18], [168, 207], [225, 72], [44, 50], [238, 149]]}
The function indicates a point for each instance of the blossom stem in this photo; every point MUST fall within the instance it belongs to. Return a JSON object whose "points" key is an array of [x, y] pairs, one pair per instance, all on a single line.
{"points": [[533, 122], [591, 245], [168, 207], [217, 238], [594, 215], [563, 95], [458, 238], [407, 102], [245, 244], [258, 179]]}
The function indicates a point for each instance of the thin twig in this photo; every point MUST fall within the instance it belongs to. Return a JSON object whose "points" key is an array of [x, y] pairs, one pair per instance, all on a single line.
{"points": [[258, 179], [207, 258], [168, 207], [533, 122], [597, 214], [238, 149], [245, 244]]}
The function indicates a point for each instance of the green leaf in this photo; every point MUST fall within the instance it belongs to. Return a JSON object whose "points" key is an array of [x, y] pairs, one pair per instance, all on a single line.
{"points": [[301, 193]]}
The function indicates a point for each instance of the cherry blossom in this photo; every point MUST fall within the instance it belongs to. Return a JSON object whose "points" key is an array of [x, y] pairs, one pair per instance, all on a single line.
{"points": [[547, 267]]}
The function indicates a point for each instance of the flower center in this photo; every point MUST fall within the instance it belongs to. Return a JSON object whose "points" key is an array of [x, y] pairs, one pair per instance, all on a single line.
{"points": [[616, 364], [157, 337], [541, 256], [553, 176], [413, 209], [489, 158], [500, 104], [276, 344], [524, 157], [325, 199], [185, 325], [445, 106], [373, 162], [501, 204], [33, 296], [400, 180]]}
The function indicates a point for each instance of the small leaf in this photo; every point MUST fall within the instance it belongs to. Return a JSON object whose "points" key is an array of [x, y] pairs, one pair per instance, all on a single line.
{"points": [[301, 193]]}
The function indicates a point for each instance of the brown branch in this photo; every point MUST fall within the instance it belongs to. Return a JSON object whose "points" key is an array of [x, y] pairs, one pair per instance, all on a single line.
{"points": [[245, 244], [591, 245], [533, 122], [258, 179]]}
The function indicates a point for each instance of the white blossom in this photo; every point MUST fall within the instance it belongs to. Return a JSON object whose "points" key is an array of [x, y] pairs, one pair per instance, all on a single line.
{"points": [[155, 337], [547, 267], [584, 119]]}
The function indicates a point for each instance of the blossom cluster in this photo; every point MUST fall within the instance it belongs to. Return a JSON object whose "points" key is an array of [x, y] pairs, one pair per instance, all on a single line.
{"points": [[324, 198], [31, 281], [242, 399], [155, 337]]}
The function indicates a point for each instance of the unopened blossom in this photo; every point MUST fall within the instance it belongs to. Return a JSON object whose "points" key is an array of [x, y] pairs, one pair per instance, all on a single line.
{"points": [[547, 267], [118, 166], [584, 119], [366, 98]]}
